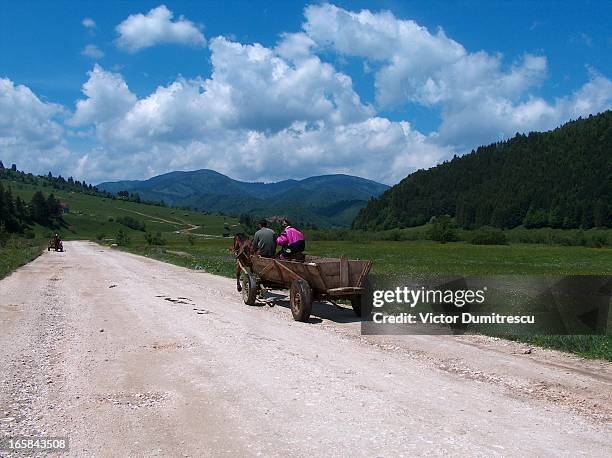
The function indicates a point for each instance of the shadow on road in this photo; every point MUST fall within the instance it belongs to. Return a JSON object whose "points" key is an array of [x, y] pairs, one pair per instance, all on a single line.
{"points": [[320, 310]]}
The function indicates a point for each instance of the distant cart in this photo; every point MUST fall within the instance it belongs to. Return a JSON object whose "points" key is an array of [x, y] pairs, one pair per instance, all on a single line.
{"points": [[315, 279]]}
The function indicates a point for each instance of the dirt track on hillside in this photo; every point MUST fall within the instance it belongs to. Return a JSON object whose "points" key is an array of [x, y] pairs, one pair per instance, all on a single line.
{"points": [[129, 356]]}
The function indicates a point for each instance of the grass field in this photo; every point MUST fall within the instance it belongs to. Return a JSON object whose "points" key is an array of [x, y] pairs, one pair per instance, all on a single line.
{"points": [[18, 252], [407, 257]]}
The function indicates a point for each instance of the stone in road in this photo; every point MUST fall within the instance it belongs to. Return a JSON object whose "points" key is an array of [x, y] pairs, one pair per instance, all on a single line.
{"points": [[129, 356]]}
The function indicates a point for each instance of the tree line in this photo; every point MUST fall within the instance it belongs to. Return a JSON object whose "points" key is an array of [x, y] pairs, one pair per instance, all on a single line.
{"points": [[58, 182], [16, 214], [556, 179]]}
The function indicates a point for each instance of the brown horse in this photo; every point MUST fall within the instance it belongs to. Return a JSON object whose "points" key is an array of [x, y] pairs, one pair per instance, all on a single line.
{"points": [[242, 248]]}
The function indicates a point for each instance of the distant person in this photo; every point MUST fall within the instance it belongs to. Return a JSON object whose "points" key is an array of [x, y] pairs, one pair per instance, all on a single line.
{"points": [[291, 241], [264, 243]]}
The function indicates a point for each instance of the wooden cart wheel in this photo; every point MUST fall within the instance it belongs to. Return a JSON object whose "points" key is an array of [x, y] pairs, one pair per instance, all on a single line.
{"points": [[249, 289], [356, 304], [357, 300], [301, 300]]}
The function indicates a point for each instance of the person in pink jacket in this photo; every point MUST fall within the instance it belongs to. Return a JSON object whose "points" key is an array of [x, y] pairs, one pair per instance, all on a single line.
{"points": [[291, 241]]}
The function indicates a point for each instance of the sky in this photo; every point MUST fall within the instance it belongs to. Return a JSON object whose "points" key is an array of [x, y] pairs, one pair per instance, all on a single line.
{"points": [[271, 90]]}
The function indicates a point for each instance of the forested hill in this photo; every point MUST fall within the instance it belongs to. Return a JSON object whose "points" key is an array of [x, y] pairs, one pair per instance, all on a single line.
{"points": [[561, 178]]}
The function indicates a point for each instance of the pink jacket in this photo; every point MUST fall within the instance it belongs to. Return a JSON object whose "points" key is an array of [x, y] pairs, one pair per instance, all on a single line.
{"points": [[289, 236]]}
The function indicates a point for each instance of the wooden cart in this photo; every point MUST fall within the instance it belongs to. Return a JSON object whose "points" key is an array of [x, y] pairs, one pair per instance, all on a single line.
{"points": [[315, 279]]}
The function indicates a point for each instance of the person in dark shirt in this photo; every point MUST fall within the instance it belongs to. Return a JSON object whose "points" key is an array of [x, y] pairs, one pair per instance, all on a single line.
{"points": [[264, 242]]}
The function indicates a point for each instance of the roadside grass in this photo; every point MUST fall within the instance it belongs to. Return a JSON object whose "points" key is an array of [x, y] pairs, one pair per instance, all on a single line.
{"points": [[18, 252], [589, 346]]}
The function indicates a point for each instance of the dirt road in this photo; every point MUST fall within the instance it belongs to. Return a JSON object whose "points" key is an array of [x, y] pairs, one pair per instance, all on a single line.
{"points": [[132, 357]]}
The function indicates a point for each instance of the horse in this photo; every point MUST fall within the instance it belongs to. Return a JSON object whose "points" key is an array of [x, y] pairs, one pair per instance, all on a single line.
{"points": [[242, 248]]}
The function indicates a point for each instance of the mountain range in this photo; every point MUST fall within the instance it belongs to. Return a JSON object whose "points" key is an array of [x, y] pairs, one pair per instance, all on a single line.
{"points": [[322, 201]]}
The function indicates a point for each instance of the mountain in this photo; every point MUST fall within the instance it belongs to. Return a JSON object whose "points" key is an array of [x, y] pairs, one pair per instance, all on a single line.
{"points": [[325, 201], [561, 178]]}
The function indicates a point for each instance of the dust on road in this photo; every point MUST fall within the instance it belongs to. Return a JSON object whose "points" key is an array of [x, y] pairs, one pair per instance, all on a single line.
{"points": [[129, 356]]}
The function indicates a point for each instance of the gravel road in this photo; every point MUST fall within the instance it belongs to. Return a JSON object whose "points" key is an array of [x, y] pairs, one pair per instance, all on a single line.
{"points": [[133, 357]]}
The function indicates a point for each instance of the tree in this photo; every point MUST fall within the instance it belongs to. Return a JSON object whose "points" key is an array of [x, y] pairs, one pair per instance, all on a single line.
{"points": [[20, 209], [122, 238], [443, 230], [53, 206], [1, 166], [39, 210], [14, 167]]}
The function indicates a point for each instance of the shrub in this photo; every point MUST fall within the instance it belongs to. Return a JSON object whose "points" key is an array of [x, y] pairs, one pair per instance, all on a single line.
{"points": [[487, 235], [100, 236], [29, 234], [443, 229], [122, 238], [130, 222], [156, 239]]}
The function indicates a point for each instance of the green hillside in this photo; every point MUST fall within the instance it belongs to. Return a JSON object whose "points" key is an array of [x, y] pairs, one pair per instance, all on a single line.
{"points": [[94, 217], [558, 179]]}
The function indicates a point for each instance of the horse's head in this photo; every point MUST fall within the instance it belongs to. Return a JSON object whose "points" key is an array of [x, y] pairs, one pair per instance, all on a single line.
{"points": [[241, 245]]}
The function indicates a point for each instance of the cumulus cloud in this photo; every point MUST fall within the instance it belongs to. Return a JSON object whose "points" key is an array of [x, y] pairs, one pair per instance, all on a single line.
{"points": [[302, 114], [108, 98], [140, 31], [375, 148], [479, 97], [31, 133], [88, 23], [417, 65], [93, 52]]}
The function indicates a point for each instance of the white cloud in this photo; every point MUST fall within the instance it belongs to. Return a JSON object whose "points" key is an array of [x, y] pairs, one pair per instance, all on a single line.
{"points": [[273, 119], [418, 66], [375, 148], [93, 52], [108, 98], [141, 31], [497, 118], [479, 98], [30, 131], [88, 23]]}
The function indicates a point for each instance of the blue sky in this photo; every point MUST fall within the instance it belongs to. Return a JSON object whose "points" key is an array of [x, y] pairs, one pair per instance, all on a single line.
{"points": [[274, 90]]}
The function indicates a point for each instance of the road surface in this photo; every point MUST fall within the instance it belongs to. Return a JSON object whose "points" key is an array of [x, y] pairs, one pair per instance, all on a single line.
{"points": [[129, 356]]}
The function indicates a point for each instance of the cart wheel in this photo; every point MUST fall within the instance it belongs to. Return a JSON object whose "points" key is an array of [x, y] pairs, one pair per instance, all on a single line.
{"points": [[249, 289], [301, 300], [356, 304]]}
